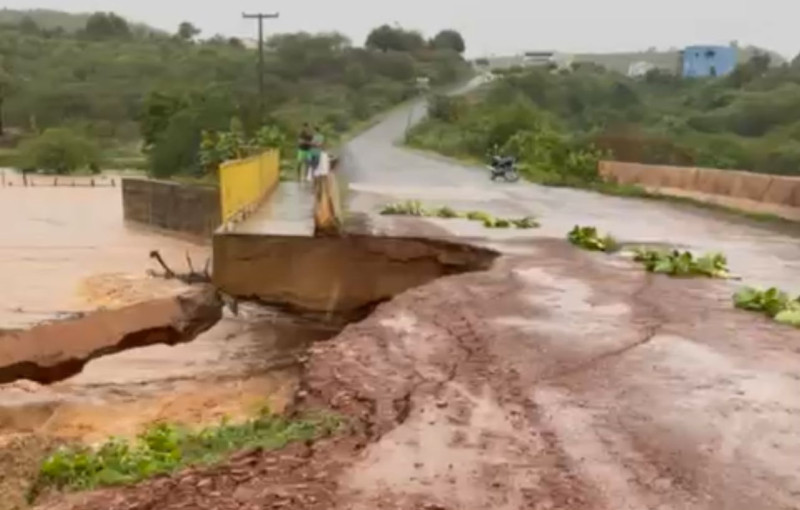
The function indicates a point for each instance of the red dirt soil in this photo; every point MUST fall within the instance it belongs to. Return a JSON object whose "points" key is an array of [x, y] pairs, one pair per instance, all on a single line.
{"points": [[557, 380]]}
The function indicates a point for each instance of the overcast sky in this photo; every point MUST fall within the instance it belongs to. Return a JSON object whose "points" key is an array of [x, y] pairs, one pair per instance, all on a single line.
{"points": [[489, 26]]}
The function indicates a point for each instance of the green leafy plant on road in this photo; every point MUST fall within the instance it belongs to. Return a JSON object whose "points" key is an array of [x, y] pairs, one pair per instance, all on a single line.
{"points": [[526, 222], [683, 263], [415, 208], [407, 208], [497, 223], [773, 302], [446, 212], [590, 239], [166, 448]]}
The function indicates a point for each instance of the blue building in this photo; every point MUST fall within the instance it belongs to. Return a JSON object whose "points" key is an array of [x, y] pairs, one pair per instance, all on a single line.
{"points": [[708, 61]]}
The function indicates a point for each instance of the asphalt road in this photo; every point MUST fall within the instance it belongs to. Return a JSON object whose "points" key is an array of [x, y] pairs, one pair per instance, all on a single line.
{"points": [[376, 162]]}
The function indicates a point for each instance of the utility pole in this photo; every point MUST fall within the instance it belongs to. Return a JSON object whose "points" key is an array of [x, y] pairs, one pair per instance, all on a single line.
{"points": [[260, 17]]}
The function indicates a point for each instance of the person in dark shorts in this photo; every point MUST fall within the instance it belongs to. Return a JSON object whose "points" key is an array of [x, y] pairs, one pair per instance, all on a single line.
{"points": [[304, 150]]}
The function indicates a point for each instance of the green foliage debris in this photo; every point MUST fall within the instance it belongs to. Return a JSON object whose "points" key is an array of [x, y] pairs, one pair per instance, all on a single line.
{"points": [[407, 208], [772, 302], [683, 263], [415, 208], [590, 239]]}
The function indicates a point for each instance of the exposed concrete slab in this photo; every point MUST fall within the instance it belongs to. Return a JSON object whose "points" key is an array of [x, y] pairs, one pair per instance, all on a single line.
{"points": [[54, 351], [335, 274]]}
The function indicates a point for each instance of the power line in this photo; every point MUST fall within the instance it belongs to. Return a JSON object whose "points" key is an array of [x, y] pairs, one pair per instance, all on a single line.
{"points": [[261, 17]]}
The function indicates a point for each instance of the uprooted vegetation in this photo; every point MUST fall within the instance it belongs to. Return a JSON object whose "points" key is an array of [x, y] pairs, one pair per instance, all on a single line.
{"points": [[682, 263], [773, 302], [165, 448], [670, 262], [589, 238], [415, 208]]}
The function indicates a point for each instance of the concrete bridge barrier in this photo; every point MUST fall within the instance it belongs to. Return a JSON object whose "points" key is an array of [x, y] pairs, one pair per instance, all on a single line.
{"points": [[748, 191], [245, 183], [185, 208]]}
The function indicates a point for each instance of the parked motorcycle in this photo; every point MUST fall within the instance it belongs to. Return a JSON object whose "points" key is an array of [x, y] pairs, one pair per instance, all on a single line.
{"points": [[505, 167]]}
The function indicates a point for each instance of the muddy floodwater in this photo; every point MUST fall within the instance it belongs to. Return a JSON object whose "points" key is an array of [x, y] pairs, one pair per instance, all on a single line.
{"points": [[242, 365], [66, 249]]}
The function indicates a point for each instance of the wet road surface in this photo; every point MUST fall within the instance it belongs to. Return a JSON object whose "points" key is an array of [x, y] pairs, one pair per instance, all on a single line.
{"points": [[380, 170]]}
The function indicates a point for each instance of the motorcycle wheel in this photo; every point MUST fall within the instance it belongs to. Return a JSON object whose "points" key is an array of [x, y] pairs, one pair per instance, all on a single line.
{"points": [[512, 177]]}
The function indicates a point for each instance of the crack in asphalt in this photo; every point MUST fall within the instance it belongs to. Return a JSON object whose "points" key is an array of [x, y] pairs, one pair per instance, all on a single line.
{"points": [[651, 330]]}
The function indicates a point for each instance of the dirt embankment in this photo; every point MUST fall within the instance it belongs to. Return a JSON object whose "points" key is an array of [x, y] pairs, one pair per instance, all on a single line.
{"points": [[561, 380]]}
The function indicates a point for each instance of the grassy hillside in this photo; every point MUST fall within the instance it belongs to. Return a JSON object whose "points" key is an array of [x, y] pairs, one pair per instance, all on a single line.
{"points": [[105, 87]]}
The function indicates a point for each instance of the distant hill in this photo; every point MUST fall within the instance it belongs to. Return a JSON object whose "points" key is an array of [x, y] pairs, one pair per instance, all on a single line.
{"points": [[50, 20]]}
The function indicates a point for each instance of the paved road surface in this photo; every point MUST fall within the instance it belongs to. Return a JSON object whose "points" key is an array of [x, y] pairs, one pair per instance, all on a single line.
{"points": [[375, 162]]}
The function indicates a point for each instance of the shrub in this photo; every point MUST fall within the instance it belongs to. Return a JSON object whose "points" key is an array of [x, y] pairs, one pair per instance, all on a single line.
{"points": [[59, 150], [446, 108]]}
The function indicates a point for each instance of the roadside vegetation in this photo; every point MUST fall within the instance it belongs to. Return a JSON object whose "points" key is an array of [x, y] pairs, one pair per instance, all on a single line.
{"points": [[559, 123], [415, 208], [103, 92], [164, 448]]}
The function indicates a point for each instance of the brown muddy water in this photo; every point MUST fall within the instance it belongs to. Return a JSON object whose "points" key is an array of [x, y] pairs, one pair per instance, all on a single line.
{"points": [[66, 250], [238, 367]]}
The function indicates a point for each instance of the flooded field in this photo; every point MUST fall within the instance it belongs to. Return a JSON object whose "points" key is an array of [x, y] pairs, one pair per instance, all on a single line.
{"points": [[67, 249]]}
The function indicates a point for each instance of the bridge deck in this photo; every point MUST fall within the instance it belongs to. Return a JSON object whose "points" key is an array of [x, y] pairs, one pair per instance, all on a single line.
{"points": [[289, 211]]}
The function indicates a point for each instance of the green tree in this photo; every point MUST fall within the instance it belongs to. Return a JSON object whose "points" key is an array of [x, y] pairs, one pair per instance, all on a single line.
{"points": [[106, 25], [59, 150], [5, 89], [187, 31], [28, 26], [387, 38], [449, 40], [158, 109]]}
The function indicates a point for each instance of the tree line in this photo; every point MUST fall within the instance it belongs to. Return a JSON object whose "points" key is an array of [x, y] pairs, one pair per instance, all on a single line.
{"points": [[120, 89], [561, 121]]}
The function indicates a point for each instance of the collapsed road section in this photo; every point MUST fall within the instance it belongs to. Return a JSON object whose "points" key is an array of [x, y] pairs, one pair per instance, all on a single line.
{"points": [[340, 278], [554, 380], [336, 275], [54, 351]]}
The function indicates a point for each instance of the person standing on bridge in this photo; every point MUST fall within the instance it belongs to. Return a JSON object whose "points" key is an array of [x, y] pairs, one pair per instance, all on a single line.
{"points": [[317, 145], [304, 151]]}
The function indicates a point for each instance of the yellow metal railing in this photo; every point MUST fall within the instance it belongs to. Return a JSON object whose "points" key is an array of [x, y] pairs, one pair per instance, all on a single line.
{"points": [[243, 183]]}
